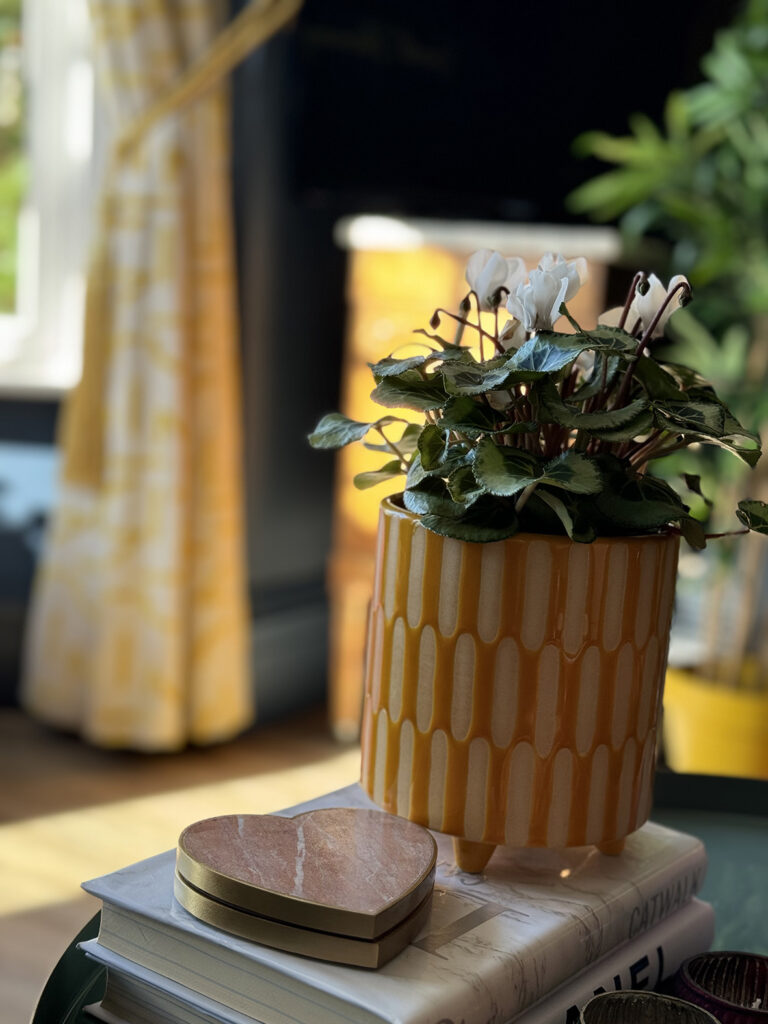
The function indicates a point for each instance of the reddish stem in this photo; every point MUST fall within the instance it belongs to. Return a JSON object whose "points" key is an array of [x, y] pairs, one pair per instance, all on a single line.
{"points": [[639, 276], [644, 341]]}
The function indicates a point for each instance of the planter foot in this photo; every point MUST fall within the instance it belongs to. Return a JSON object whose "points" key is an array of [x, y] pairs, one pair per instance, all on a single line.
{"points": [[471, 856], [612, 848]]}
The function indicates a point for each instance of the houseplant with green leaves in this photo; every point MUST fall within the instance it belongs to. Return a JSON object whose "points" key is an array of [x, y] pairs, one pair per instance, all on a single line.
{"points": [[698, 182], [541, 431], [525, 574]]}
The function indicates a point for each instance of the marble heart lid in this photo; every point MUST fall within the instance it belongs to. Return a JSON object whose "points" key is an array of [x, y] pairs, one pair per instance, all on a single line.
{"points": [[344, 871]]}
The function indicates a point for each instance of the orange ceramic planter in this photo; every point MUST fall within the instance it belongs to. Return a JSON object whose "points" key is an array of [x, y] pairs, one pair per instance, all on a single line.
{"points": [[512, 689]]}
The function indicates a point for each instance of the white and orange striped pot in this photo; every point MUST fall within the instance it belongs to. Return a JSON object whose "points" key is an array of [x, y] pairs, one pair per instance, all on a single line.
{"points": [[512, 689]]}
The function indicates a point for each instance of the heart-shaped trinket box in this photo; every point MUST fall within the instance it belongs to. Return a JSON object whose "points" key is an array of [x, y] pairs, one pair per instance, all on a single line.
{"points": [[342, 884]]}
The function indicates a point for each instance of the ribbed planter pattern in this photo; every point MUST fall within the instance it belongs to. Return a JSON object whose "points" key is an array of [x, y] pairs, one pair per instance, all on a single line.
{"points": [[512, 688]]}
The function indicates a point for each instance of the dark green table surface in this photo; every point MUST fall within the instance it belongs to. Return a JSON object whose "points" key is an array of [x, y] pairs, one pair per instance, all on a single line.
{"points": [[74, 982], [729, 815]]}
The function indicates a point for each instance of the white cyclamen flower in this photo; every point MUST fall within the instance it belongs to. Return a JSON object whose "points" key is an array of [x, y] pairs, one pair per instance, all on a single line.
{"points": [[555, 281], [487, 271], [645, 307], [513, 335]]}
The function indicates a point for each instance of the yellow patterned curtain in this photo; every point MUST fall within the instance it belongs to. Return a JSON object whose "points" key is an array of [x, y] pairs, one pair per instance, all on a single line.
{"points": [[138, 627]]}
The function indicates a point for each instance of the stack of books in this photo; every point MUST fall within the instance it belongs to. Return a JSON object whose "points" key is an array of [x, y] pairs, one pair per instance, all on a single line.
{"points": [[530, 941]]}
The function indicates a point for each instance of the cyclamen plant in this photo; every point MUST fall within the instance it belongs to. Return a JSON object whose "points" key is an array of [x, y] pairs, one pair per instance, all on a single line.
{"points": [[543, 431]]}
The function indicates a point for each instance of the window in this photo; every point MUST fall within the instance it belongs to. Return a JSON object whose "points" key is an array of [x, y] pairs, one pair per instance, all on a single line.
{"points": [[47, 172]]}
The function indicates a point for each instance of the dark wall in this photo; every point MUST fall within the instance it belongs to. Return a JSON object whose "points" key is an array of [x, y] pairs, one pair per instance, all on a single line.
{"points": [[27, 472], [292, 313], [470, 109]]}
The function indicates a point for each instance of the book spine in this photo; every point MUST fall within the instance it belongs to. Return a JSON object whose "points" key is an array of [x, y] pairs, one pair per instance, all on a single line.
{"points": [[642, 963], [232, 979], [591, 928]]}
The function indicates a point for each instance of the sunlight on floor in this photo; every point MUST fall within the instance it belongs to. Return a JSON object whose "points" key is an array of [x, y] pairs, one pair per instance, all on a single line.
{"points": [[44, 859]]}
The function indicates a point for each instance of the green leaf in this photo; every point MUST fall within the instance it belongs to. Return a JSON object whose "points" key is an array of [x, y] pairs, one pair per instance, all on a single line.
{"points": [[446, 345], [645, 504], [552, 404], [473, 418], [693, 532], [558, 507], [432, 445], [584, 531], [377, 476], [754, 515], [546, 353], [504, 471], [604, 338], [463, 486], [406, 443], [335, 431], [486, 521], [475, 378], [524, 427], [416, 472], [685, 376], [456, 456], [594, 383], [453, 354], [431, 497], [468, 416], [658, 383], [637, 427], [734, 429], [693, 483], [391, 367], [550, 352], [703, 417], [410, 390], [641, 515], [573, 472], [749, 455]]}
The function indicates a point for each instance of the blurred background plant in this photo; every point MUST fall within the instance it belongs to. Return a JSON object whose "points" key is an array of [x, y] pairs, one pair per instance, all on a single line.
{"points": [[12, 163], [695, 191]]}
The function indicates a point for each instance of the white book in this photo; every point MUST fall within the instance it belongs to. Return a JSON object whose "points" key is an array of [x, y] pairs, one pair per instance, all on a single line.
{"points": [[141, 996], [495, 944]]}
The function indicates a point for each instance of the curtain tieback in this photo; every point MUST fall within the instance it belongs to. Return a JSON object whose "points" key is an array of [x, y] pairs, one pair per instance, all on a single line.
{"points": [[254, 25]]}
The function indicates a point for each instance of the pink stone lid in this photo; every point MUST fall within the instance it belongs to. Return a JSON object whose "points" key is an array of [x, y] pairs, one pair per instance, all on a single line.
{"points": [[346, 871]]}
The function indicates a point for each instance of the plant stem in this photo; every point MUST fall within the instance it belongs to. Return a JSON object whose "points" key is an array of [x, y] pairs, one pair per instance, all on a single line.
{"points": [[461, 324], [726, 533], [641, 452], [394, 449], [645, 341], [639, 276], [466, 323], [660, 453]]}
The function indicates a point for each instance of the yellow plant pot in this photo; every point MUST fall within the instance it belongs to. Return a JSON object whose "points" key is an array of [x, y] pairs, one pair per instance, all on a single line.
{"points": [[512, 689], [712, 729]]}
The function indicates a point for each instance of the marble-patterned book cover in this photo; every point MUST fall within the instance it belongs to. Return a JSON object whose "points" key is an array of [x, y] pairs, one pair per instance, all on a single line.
{"points": [[135, 993], [495, 944]]}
